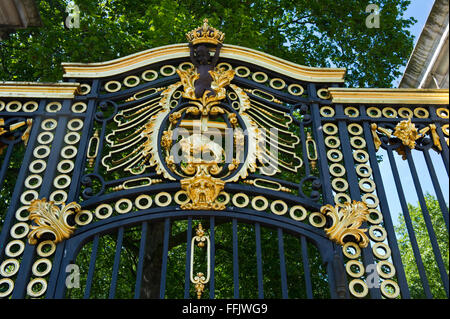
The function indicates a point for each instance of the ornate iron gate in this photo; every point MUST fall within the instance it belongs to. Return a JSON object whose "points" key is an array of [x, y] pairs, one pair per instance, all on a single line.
{"points": [[295, 204]]}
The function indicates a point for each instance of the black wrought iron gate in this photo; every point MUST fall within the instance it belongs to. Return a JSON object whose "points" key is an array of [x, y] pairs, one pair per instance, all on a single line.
{"points": [[94, 203]]}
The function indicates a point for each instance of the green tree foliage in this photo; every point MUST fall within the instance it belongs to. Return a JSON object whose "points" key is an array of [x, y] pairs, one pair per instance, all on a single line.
{"points": [[426, 251], [315, 33]]}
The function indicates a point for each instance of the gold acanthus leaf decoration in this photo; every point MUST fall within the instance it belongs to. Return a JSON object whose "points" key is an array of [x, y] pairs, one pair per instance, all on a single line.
{"points": [[346, 220], [407, 132], [50, 219]]}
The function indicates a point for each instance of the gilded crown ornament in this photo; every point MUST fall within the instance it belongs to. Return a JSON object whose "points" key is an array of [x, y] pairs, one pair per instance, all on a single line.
{"points": [[205, 34]]}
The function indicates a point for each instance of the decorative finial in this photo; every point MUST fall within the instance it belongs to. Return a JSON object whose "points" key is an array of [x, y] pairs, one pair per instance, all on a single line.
{"points": [[205, 34]]}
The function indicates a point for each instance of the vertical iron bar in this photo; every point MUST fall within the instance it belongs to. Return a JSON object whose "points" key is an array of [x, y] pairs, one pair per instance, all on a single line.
{"points": [[235, 260], [162, 287], [187, 272], [284, 289], [115, 272], [385, 211], [437, 187], [428, 223], [306, 270], [259, 261], [140, 266], [90, 275], [212, 249], [5, 163], [409, 225]]}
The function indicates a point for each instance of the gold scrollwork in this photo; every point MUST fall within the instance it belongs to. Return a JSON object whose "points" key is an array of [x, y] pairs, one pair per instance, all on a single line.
{"points": [[200, 279], [346, 222], [50, 219]]}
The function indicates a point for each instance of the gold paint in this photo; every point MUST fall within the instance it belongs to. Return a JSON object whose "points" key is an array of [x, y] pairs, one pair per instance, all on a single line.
{"points": [[200, 279], [50, 219], [347, 219], [38, 90], [435, 137], [312, 157], [205, 34], [407, 132], [376, 138]]}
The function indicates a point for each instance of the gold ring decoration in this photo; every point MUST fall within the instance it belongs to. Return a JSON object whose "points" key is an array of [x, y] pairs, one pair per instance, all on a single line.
{"points": [[312, 221], [2, 105], [323, 93], [83, 217], [138, 201], [65, 181], [168, 70], [405, 112], [389, 112], [394, 285], [382, 246], [233, 96], [69, 151], [295, 89], [84, 89], [275, 210], [365, 181], [348, 246], [358, 142], [237, 196], [226, 199], [10, 284], [255, 77], [46, 248], [41, 151], [355, 263], [53, 107], [376, 228], [277, 87], [122, 201], [327, 111], [445, 129], [34, 106], [166, 195], [224, 66], [373, 197], [385, 263], [20, 216], [362, 284], [296, 208], [13, 106], [45, 137], [98, 211], [9, 267], [256, 199], [373, 112], [177, 94], [116, 86], [41, 273], [355, 129], [235, 105], [442, 112], [127, 83], [36, 281], [37, 166], [65, 166], [20, 247], [332, 142], [421, 113], [22, 225], [72, 138], [62, 195], [336, 166], [33, 181], [351, 111], [330, 128], [364, 156], [145, 77], [238, 73], [75, 124], [363, 170], [339, 188], [341, 198], [49, 124], [79, 107], [28, 196], [179, 201], [335, 152], [378, 219]]}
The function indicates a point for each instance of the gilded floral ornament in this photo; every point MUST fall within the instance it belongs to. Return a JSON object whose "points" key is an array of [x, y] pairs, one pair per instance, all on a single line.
{"points": [[50, 219], [346, 220], [407, 132]]}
